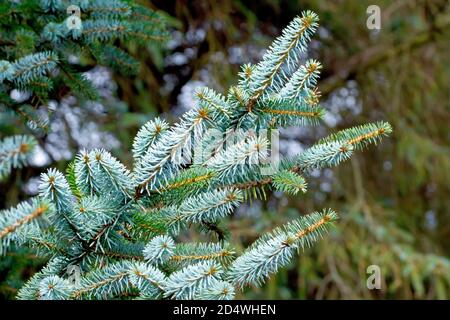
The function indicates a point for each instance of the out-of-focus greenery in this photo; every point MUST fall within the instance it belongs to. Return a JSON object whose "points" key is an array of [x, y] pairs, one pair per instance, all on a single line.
{"points": [[393, 200]]}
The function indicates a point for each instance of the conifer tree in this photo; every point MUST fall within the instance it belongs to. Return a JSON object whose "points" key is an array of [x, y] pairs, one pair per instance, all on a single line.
{"points": [[40, 43], [125, 230]]}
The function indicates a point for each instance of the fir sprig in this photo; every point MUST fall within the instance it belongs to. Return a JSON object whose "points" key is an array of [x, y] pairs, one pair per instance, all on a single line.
{"points": [[17, 222], [275, 250], [15, 152]]}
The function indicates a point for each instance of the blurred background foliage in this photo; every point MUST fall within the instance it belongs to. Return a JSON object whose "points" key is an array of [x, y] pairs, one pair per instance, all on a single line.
{"points": [[393, 200]]}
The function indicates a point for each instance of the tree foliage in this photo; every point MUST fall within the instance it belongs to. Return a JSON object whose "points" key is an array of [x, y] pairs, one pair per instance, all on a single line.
{"points": [[126, 230], [44, 57]]}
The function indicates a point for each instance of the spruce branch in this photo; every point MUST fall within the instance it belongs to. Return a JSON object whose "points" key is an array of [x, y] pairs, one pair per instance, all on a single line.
{"points": [[147, 225], [209, 206], [218, 290], [15, 152], [84, 174], [131, 243], [108, 282], [54, 188], [30, 68], [17, 223], [54, 288], [303, 79], [31, 290], [240, 160], [323, 155], [295, 36], [191, 180], [103, 30], [72, 180], [108, 9], [147, 136], [275, 250], [92, 214], [289, 182], [159, 250], [148, 280], [282, 112], [109, 175], [48, 244], [189, 281], [216, 102], [117, 59], [361, 136], [188, 253], [6, 70], [80, 85], [163, 159]]}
